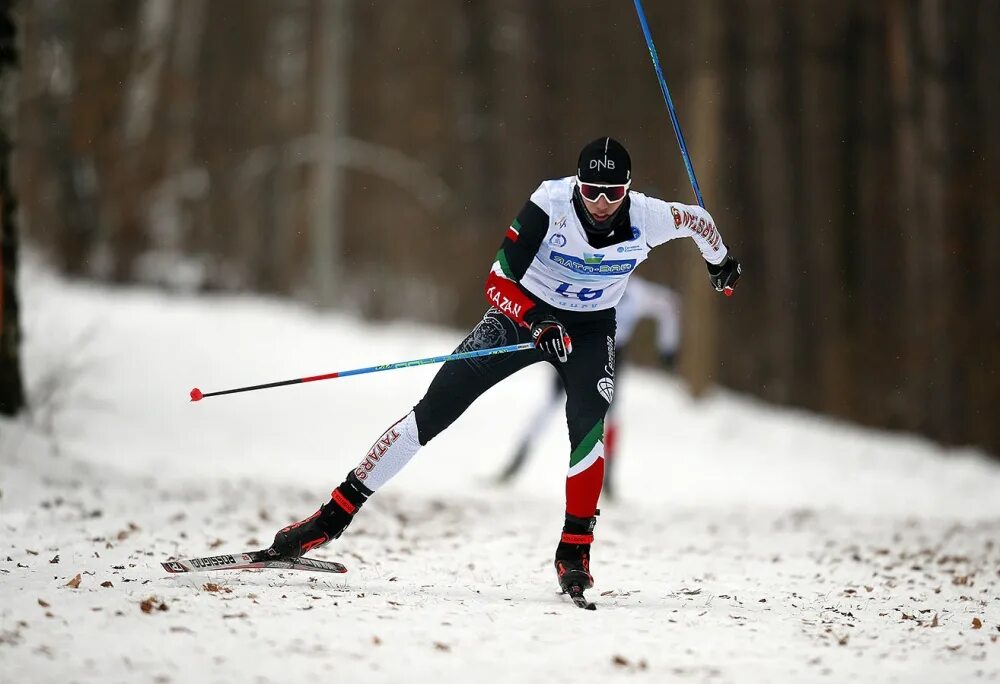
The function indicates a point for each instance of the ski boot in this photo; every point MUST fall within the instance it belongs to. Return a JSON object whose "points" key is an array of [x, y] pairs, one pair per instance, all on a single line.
{"points": [[328, 523], [573, 554]]}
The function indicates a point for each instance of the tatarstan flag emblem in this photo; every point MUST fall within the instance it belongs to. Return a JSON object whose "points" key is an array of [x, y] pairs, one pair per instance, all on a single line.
{"points": [[514, 231]]}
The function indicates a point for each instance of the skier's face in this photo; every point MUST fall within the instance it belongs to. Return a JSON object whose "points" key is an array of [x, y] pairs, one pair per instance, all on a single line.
{"points": [[601, 209]]}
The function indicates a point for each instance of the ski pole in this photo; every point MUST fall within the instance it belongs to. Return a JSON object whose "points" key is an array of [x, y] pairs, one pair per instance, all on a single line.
{"points": [[673, 113], [198, 395]]}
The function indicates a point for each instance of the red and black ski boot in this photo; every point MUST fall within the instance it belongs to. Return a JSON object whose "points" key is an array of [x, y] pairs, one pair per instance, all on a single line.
{"points": [[328, 523], [573, 558]]}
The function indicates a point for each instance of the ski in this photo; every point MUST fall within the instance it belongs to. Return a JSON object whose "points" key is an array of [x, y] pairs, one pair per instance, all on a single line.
{"points": [[251, 560], [579, 600]]}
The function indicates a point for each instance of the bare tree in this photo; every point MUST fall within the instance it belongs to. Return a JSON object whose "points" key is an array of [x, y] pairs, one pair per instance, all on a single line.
{"points": [[11, 387], [700, 360]]}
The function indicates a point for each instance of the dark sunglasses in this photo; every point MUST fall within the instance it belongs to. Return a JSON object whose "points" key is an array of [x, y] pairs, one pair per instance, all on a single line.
{"points": [[593, 191]]}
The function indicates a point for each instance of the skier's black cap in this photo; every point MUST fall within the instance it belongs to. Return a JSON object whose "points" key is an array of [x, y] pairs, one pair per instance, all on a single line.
{"points": [[604, 161]]}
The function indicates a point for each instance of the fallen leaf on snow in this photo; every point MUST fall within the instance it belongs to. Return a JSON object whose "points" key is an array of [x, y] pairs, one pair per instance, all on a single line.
{"points": [[977, 623], [152, 603], [441, 647], [107, 584], [54, 559], [376, 640], [75, 582], [123, 535], [620, 661], [43, 603]]}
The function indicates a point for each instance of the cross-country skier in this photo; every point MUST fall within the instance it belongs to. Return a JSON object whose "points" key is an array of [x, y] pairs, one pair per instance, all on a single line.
{"points": [[560, 271], [641, 299]]}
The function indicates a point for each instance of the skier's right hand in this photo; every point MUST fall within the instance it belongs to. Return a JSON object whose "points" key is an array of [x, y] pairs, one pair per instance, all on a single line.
{"points": [[551, 339]]}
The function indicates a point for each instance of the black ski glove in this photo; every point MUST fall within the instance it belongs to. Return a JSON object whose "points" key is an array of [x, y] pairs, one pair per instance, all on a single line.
{"points": [[724, 276], [551, 339]]}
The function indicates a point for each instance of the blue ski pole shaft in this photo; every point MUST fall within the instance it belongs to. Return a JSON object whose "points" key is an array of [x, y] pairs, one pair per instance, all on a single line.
{"points": [[198, 395], [670, 103]]}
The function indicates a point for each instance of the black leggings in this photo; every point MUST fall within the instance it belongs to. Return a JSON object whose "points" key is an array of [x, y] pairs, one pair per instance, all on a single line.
{"points": [[588, 375]]}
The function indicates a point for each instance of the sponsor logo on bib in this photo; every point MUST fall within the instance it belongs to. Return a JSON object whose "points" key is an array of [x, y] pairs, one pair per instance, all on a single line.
{"points": [[593, 264]]}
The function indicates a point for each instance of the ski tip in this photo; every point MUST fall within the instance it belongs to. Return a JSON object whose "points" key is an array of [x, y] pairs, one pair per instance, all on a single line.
{"points": [[196, 394]]}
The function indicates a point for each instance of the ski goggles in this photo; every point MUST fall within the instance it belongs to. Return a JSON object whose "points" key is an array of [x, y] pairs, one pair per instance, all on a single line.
{"points": [[593, 191]]}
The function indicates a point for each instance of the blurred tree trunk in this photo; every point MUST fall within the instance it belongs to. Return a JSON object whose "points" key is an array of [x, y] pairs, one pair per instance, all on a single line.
{"points": [[823, 85], [952, 151], [879, 243], [700, 357], [11, 386], [984, 367], [477, 115], [933, 295], [772, 184], [143, 148], [332, 88], [909, 206], [72, 226]]}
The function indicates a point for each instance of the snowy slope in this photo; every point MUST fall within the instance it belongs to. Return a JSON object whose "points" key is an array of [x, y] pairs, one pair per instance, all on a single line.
{"points": [[786, 548]]}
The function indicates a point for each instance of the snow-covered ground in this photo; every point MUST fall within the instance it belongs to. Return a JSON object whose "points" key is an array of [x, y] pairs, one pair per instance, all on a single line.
{"points": [[749, 543]]}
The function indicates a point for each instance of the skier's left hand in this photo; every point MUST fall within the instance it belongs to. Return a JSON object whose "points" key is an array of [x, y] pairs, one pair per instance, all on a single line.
{"points": [[724, 276]]}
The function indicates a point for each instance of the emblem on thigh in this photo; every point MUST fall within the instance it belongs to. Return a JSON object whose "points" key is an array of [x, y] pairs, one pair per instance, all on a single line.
{"points": [[606, 387]]}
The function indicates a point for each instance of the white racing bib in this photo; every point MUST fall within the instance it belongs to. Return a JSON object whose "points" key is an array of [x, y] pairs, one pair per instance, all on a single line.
{"points": [[567, 272]]}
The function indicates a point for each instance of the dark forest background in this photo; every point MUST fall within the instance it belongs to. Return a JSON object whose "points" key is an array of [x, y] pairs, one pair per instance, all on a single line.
{"points": [[368, 155]]}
